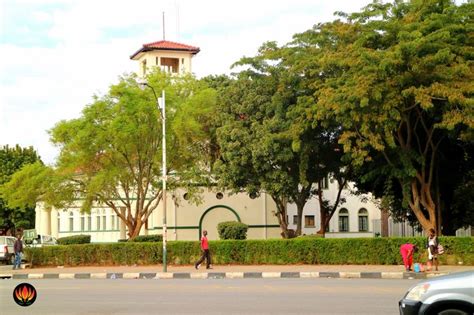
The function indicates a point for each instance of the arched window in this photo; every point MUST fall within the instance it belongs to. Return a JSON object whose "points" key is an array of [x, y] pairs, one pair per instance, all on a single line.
{"points": [[363, 220], [71, 221], [343, 220]]}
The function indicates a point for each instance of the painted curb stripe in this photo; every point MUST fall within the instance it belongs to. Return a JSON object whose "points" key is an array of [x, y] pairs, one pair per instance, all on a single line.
{"points": [[164, 275], [99, 275], [112, 275], [371, 275], [35, 276], [252, 275], [392, 275], [131, 275], [199, 275], [66, 276], [234, 275], [224, 275], [271, 274], [181, 275], [309, 274], [147, 275], [350, 275], [290, 274], [329, 274], [216, 275]]}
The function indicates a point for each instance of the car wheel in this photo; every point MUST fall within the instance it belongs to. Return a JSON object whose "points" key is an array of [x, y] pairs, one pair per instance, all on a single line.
{"points": [[453, 311], [11, 260]]}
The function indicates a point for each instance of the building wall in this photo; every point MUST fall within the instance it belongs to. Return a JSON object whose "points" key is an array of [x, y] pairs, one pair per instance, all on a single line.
{"points": [[353, 204], [185, 220], [150, 57]]}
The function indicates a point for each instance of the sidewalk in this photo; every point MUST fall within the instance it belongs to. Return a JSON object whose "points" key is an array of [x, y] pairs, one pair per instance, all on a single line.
{"points": [[226, 271]]}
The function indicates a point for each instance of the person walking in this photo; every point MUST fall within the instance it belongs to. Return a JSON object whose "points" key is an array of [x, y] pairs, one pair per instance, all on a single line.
{"points": [[205, 252], [432, 250], [407, 250], [18, 249]]}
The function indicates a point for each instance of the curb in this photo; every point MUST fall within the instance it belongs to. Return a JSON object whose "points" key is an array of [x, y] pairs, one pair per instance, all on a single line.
{"points": [[224, 275]]}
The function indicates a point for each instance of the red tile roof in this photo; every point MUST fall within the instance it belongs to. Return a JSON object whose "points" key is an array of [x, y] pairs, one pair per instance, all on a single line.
{"points": [[166, 45]]}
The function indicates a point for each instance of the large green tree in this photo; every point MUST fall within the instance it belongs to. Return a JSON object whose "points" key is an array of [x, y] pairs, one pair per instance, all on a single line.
{"points": [[12, 159], [112, 153], [403, 88], [265, 144]]}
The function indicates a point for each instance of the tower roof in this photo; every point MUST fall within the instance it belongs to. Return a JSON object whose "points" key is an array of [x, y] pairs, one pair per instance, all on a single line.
{"points": [[165, 45]]}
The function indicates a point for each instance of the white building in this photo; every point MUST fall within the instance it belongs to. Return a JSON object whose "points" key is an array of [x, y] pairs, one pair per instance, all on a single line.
{"points": [[186, 220], [359, 216]]}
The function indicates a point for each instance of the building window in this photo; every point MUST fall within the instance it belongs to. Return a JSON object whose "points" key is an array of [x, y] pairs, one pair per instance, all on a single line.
{"points": [[170, 64], [98, 223], [113, 222], [83, 223], [182, 61], [363, 220], [309, 221], [156, 61], [295, 219], [59, 223], [89, 222], [104, 223], [117, 218], [144, 67], [324, 183], [219, 195], [71, 221], [343, 220]]}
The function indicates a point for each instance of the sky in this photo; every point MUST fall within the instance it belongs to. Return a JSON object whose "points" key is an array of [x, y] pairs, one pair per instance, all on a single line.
{"points": [[55, 55]]}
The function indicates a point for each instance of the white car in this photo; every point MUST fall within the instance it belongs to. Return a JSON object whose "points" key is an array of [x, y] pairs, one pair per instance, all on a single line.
{"points": [[7, 254], [43, 240]]}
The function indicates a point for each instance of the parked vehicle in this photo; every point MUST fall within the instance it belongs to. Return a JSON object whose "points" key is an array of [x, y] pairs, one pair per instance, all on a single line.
{"points": [[7, 254], [42, 240], [450, 294]]}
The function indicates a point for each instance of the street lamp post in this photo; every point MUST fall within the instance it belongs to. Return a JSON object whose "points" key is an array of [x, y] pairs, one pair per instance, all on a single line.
{"points": [[161, 106]]}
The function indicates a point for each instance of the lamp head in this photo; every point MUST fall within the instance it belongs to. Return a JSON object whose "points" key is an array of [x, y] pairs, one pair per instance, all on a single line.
{"points": [[142, 83]]}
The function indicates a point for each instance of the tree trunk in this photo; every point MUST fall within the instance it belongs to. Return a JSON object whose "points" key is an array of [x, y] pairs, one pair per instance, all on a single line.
{"points": [[421, 199], [299, 212], [282, 217], [384, 222]]}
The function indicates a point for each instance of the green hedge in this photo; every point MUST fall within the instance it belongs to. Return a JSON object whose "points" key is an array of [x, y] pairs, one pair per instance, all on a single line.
{"points": [[147, 238], [383, 251], [232, 230], [74, 239]]}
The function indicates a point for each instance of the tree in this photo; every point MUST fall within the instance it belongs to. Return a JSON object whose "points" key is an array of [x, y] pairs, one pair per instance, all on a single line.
{"points": [[265, 144], [404, 87], [111, 155], [11, 161]]}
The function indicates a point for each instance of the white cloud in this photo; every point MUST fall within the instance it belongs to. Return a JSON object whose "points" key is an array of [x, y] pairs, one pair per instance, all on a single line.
{"points": [[89, 43]]}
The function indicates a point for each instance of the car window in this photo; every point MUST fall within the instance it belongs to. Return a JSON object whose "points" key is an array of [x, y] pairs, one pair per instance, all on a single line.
{"points": [[2, 239], [10, 241], [47, 239]]}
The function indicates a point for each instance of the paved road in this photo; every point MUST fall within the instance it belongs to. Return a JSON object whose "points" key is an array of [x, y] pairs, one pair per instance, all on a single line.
{"points": [[229, 296]]}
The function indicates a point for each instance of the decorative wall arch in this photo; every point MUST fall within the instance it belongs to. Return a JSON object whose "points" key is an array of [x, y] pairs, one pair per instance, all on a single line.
{"points": [[212, 208]]}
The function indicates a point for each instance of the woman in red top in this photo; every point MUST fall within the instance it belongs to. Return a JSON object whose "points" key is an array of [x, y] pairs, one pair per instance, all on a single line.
{"points": [[205, 252], [407, 250]]}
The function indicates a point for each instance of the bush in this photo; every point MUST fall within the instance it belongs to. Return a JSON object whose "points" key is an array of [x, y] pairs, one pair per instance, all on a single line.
{"points": [[74, 239], [362, 251], [147, 238], [232, 230]]}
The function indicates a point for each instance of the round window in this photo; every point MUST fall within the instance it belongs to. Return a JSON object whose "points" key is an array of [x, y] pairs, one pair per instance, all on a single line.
{"points": [[219, 195]]}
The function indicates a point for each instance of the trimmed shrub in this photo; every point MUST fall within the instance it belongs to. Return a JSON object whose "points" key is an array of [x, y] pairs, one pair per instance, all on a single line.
{"points": [[147, 238], [359, 251], [74, 239], [232, 230]]}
